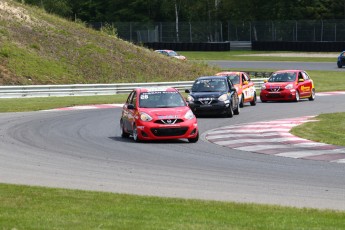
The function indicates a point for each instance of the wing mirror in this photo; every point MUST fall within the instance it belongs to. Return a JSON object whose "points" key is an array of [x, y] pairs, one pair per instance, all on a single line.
{"points": [[130, 106]]}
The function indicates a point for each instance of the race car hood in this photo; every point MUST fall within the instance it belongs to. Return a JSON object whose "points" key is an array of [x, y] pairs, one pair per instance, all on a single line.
{"points": [[274, 85], [198, 95], [166, 113]]}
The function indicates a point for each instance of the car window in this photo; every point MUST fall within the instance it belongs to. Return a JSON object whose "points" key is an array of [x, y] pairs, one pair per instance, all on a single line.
{"points": [[234, 78], [246, 78], [209, 85], [282, 77], [172, 53], [134, 99], [129, 98], [161, 99], [305, 76]]}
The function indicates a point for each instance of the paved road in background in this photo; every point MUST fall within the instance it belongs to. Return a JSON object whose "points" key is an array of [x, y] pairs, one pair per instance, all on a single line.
{"points": [[259, 65]]}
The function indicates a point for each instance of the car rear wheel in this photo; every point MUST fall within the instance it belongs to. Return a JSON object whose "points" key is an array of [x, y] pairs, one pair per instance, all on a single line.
{"points": [[297, 96], [253, 102], [123, 132], [312, 96], [195, 139], [339, 65]]}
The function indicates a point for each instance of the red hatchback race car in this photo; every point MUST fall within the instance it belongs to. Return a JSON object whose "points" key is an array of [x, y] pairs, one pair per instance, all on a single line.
{"points": [[244, 86], [158, 114], [288, 85]]}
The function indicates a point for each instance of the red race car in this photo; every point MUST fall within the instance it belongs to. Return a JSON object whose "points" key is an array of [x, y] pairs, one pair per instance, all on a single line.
{"points": [[288, 85], [158, 114], [244, 86]]}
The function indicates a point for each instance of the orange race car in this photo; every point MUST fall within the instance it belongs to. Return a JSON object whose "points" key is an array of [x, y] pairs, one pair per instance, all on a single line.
{"points": [[244, 86]]}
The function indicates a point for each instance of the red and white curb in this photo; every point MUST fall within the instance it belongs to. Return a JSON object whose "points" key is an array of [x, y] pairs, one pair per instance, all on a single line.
{"points": [[273, 138], [330, 93]]}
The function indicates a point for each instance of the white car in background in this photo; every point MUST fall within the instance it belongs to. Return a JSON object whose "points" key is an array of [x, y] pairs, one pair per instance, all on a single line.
{"points": [[171, 53]]}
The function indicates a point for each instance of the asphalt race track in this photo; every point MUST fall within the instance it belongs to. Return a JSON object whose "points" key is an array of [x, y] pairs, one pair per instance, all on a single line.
{"points": [[82, 149]]}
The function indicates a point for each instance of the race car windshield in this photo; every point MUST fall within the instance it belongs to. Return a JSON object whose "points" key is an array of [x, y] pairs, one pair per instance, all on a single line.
{"points": [[209, 85], [161, 99], [282, 77]]}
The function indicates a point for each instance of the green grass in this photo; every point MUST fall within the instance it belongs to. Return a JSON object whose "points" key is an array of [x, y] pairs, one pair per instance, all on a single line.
{"points": [[24, 207], [51, 50], [330, 128], [44, 103], [246, 56]]}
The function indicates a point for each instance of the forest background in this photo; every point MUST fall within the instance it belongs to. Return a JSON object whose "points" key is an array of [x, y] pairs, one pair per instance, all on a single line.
{"points": [[192, 10]]}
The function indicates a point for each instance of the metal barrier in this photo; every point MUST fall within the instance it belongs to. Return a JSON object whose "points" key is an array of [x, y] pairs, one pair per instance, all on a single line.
{"points": [[24, 91]]}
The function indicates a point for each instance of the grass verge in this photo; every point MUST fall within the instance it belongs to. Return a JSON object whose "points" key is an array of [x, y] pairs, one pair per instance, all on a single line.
{"points": [[24, 207], [330, 129], [234, 55]]}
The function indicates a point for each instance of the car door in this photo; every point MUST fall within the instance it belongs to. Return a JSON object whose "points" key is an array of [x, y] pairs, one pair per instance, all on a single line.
{"points": [[128, 114], [304, 86], [247, 87]]}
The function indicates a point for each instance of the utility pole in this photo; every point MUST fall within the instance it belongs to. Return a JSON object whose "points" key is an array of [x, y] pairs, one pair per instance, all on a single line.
{"points": [[176, 22]]}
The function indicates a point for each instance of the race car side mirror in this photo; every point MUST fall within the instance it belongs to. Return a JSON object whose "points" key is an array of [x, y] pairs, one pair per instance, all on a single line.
{"points": [[130, 106]]}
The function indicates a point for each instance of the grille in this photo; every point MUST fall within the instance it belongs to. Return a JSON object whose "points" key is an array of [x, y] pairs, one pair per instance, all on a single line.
{"points": [[205, 102], [168, 121], [275, 89], [159, 132]]}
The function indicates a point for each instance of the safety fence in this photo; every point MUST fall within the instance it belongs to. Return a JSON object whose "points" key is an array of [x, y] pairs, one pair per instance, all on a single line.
{"points": [[216, 31], [89, 89]]}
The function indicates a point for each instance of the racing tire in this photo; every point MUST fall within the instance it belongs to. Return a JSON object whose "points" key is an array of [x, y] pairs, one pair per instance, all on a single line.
{"points": [[229, 111], [135, 134], [312, 96], [242, 101], [297, 96], [123, 132], [339, 65], [253, 102], [263, 101], [237, 110], [195, 139]]}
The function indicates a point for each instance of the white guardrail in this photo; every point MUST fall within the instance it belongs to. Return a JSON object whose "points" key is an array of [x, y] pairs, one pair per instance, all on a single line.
{"points": [[90, 89]]}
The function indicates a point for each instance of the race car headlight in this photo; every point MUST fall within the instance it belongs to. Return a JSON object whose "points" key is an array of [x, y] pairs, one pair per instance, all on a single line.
{"points": [[145, 117], [263, 86], [224, 97], [289, 86], [190, 98], [189, 115]]}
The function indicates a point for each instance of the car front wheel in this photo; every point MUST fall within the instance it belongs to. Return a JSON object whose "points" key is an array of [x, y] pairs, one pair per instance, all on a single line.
{"points": [[297, 96], [135, 134], [229, 111], [195, 139], [123, 133]]}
